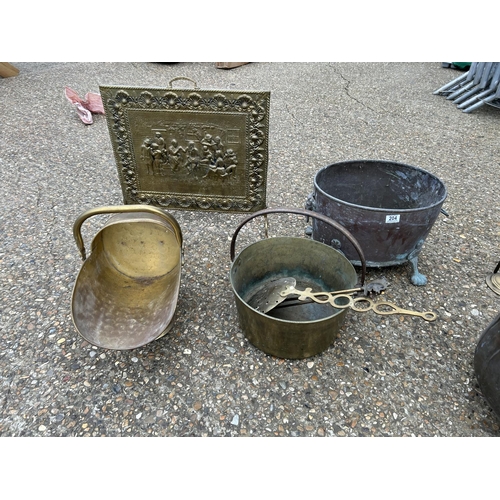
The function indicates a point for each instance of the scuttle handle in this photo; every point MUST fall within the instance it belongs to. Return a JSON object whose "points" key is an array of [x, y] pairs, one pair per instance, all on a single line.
{"points": [[122, 209]]}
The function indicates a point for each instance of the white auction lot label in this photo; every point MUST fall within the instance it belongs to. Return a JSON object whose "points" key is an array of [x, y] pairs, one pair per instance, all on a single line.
{"points": [[391, 219]]}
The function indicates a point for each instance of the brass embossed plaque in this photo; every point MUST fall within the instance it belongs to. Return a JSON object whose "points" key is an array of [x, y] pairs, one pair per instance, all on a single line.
{"points": [[189, 148]]}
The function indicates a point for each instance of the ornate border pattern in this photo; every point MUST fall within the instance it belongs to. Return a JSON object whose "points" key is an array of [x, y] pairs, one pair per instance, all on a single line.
{"points": [[254, 106]]}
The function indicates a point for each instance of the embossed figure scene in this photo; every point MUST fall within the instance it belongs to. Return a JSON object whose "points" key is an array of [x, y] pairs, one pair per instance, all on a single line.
{"points": [[213, 158], [181, 157]]}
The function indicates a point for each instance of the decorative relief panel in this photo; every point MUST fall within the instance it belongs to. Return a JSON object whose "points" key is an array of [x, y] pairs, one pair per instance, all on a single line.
{"points": [[190, 149]]}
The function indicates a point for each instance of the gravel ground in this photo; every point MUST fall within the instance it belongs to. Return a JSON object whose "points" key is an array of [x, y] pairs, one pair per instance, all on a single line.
{"points": [[383, 376]]}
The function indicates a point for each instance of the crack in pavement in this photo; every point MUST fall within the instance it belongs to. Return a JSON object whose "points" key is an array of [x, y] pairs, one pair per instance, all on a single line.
{"points": [[293, 116], [346, 89]]}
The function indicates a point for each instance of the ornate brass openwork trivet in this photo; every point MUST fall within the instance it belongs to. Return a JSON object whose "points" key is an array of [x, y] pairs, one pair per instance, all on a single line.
{"points": [[193, 149], [341, 300]]}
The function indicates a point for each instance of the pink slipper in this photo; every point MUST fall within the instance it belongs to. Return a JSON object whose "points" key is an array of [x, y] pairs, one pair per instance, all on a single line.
{"points": [[85, 107]]}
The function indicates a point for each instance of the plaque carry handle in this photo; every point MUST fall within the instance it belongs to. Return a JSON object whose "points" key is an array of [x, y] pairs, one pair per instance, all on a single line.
{"points": [[184, 78]]}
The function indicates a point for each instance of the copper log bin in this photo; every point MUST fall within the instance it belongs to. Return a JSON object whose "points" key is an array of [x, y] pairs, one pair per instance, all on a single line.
{"points": [[389, 207], [126, 292]]}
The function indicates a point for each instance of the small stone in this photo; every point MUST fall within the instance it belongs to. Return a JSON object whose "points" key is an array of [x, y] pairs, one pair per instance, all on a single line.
{"points": [[134, 359], [187, 351], [236, 420], [197, 405], [310, 364], [42, 428]]}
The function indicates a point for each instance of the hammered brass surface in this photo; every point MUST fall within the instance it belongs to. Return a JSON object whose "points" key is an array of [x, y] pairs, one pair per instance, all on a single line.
{"points": [[126, 292], [190, 149]]}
